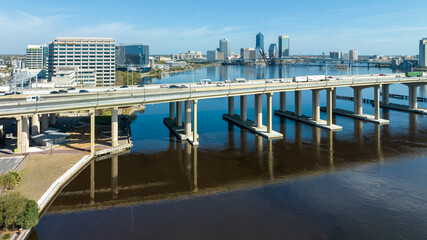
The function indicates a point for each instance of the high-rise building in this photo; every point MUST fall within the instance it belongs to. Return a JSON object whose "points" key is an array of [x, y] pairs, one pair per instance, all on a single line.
{"points": [[212, 55], [259, 41], [248, 53], [422, 62], [283, 46], [224, 47], [36, 57], [354, 55], [132, 55], [272, 51], [335, 55], [91, 55]]}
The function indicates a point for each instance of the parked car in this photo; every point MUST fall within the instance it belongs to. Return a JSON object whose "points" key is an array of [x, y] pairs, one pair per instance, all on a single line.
{"points": [[83, 91], [54, 92]]}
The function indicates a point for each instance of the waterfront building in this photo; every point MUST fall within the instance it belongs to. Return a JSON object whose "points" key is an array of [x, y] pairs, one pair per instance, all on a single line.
{"points": [[283, 46], [272, 51], [224, 47], [212, 55], [259, 45], [132, 56], [91, 54], [345, 56], [248, 53], [36, 57], [335, 55], [423, 53], [354, 55], [190, 55]]}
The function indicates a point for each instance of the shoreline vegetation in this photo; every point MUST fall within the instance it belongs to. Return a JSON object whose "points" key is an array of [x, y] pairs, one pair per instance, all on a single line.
{"points": [[132, 78]]}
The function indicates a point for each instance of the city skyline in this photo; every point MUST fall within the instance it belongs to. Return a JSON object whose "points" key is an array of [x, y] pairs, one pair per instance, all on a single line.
{"points": [[382, 27]]}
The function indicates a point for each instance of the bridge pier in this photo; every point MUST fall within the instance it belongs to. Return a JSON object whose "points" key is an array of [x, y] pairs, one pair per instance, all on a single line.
{"points": [[175, 123], [315, 117], [114, 176], [35, 125], [254, 126], [114, 127], [172, 110], [358, 107], [23, 134], [44, 122], [413, 104], [283, 101], [334, 98], [179, 114], [52, 119], [231, 106], [385, 93], [187, 118], [92, 131], [243, 107], [412, 98]]}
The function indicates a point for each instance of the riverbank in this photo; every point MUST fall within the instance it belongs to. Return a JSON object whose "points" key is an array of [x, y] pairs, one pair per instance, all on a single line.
{"points": [[163, 72]]}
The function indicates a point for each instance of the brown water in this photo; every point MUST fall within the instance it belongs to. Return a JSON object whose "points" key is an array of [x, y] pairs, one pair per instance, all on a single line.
{"points": [[365, 182]]}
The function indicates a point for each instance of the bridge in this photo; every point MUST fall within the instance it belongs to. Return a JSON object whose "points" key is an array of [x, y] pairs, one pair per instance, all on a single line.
{"points": [[190, 94]]}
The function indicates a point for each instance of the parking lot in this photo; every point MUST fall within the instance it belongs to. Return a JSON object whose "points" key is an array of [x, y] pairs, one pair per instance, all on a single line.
{"points": [[9, 163]]}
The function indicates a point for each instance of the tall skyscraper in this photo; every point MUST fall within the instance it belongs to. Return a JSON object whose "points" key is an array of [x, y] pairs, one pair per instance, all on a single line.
{"points": [[283, 46], [422, 62], [272, 51], [91, 56], [354, 55], [36, 57], [224, 47], [259, 44], [132, 55]]}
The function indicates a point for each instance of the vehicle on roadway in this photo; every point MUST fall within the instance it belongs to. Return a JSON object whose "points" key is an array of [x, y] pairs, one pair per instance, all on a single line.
{"points": [[240, 80], [54, 92], [415, 74], [220, 84], [227, 81], [140, 85], [34, 98], [11, 93], [111, 90], [173, 86], [164, 86], [71, 88], [83, 91], [124, 86], [63, 91], [184, 86], [204, 82]]}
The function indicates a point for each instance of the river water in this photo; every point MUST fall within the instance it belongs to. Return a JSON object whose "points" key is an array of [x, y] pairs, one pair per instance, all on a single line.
{"points": [[365, 182]]}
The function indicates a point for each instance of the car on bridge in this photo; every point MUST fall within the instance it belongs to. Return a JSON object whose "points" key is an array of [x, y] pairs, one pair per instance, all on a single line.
{"points": [[220, 84], [124, 86], [54, 92], [173, 86], [184, 86], [164, 86], [63, 91], [83, 91], [71, 88]]}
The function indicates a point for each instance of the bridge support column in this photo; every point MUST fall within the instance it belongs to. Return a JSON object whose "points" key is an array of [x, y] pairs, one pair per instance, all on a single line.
{"points": [[298, 110], [377, 102], [413, 96], [243, 108], [334, 98], [44, 122], [315, 102], [179, 114], [35, 125], [92, 182], [92, 131], [172, 110], [195, 141], [329, 106], [358, 107], [283, 101], [52, 119], [187, 118], [114, 127], [258, 110], [385, 93], [114, 175], [231, 106], [23, 134], [269, 112]]}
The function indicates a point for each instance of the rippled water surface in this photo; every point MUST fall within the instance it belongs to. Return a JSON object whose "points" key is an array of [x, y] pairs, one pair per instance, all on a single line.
{"points": [[365, 182]]}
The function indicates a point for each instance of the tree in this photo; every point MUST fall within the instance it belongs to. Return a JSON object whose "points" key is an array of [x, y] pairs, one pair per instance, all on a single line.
{"points": [[11, 206], [10, 180], [30, 216]]}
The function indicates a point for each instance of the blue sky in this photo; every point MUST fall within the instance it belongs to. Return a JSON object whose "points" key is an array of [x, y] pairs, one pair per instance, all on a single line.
{"points": [[373, 27]]}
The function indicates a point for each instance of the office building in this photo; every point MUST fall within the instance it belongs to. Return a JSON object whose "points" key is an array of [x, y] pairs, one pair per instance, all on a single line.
{"points": [[212, 55], [354, 55], [272, 51], [422, 62], [36, 57], [132, 56], [95, 55], [224, 47], [283, 46], [247, 53], [335, 55], [259, 45]]}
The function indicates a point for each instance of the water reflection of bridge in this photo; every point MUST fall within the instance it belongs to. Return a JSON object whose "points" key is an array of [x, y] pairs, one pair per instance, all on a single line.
{"points": [[247, 162]]}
